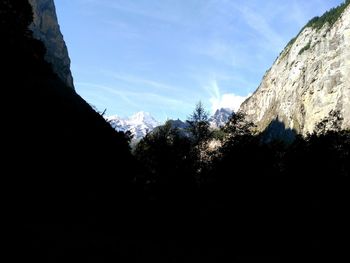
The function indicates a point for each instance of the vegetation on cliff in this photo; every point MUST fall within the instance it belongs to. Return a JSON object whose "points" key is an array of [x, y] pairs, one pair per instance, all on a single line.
{"points": [[329, 18]]}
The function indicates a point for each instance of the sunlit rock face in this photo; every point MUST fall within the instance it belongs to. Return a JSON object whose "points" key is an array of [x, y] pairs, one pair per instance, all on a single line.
{"points": [[310, 79], [46, 28]]}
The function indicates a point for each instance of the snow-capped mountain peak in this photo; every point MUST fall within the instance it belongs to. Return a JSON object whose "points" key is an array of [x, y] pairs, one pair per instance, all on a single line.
{"points": [[138, 124], [142, 123], [220, 117], [143, 118]]}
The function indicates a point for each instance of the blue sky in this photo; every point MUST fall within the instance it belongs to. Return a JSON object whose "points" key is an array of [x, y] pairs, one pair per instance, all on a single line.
{"points": [[163, 56]]}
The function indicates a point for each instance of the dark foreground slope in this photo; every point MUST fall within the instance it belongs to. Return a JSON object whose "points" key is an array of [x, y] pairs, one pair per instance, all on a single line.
{"points": [[49, 129], [57, 151], [75, 192]]}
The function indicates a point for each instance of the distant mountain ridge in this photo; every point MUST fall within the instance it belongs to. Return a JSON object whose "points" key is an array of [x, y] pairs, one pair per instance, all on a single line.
{"points": [[142, 123], [138, 124]]}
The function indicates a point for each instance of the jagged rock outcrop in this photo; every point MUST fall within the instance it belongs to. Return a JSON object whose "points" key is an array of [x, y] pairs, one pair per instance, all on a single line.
{"points": [[309, 80], [220, 118], [46, 28]]}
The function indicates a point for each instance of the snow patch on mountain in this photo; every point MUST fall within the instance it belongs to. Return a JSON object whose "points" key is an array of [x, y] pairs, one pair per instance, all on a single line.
{"points": [[142, 123], [220, 118], [138, 124]]}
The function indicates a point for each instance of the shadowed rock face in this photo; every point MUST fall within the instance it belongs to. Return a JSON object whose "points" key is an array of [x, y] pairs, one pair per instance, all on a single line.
{"points": [[310, 79], [45, 27]]}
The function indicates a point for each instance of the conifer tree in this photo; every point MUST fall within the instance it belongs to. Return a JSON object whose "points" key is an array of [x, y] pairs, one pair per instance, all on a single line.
{"points": [[199, 124]]}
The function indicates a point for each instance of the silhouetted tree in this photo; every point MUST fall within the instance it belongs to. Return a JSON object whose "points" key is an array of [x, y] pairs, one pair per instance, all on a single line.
{"points": [[199, 125], [238, 125], [167, 157], [199, 129], [238, 131]]}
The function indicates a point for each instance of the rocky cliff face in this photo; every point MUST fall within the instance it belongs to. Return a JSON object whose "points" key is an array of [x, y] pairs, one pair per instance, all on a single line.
{"points": [[310, 79], [45, 27]]}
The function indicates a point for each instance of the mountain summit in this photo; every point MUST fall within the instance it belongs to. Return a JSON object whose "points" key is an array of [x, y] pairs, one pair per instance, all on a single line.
{"points": [[142, 123], [138, 124], [220, 118], [310, 79]]}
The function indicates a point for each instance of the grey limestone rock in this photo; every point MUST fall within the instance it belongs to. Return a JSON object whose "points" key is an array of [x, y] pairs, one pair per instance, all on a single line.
{"points": [[45, 27], [308, 81]]}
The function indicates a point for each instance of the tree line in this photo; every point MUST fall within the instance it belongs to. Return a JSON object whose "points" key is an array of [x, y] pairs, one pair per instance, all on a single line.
{"points": [[168, 151]]}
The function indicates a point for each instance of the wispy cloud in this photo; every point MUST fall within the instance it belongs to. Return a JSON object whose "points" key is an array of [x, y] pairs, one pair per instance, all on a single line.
{"points": [[218, 50], [97, 94], [143, 81], [298, 14], [157, 11], [147, 98], [260, 24], [220, 100], [122, 29]]}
